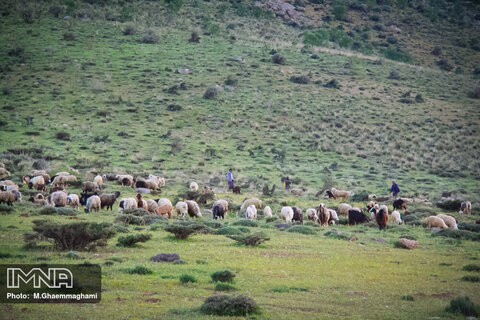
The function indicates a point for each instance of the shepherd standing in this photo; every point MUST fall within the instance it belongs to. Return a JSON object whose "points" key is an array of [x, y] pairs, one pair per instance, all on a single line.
{"points": [[230, 179]]}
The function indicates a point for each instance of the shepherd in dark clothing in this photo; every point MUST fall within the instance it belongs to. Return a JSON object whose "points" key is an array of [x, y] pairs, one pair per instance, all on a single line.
{"points": [[395, 190], [287, 183], [230, 179]]}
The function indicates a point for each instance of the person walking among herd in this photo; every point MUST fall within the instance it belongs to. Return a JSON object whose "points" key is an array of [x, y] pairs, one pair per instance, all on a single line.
{"points": [[230, 180], [395, 190]]}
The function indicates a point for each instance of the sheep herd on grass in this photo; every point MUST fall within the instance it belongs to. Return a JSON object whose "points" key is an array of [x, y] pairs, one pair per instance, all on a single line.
{"points": [[93, 199]]}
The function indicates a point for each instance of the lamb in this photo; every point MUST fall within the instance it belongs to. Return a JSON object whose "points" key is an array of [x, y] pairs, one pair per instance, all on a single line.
{"points": [[287, 214], [152, 205], [256, 202], [7, 197], [89, 186], [297, 214], [465, 207], [73, 200], [339, 193], [107, 200], [236, 190], [57, 199], [93, 203], [396, 217], [127, 203], [382, 219], [400, 204], [323, 215], [251, 212], [333, 216], [356, 215], [267, 211], [343, 209], [164, 210], [181, 208], [449, 220], [384, 207], [193, 186], [373, 212], [98, 180], [4, 172], [193, 209], [297, 191], [311, 214], [435, 222]]}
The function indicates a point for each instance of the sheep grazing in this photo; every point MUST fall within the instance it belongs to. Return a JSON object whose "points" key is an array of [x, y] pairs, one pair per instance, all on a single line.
{"points": [[2, 165], [251, 212], [34, 182], [7, 183], [182, 209], [333, 216], [343, 209], [223, 202], [435, 222], [267, 211], [218, 211], [38, 200], [297, 191], [89, 186], [323, 215], [384, 207], [297, 214], [193, 209], [372, 196], [73, 200], [127, 203], [152, 205], [4, 172], [109, 177], [193, 186], [17, 194], [10, 188], [287, 214], [370, 205], [98, 180], [400, 204], [7, 197], [311, 214], [236, 190], [126, 180], [382, 219], [93, 203], [151, 183], [356, 216], [164, 210], [84, 196], [57, 199], [164, 201], [107, 200], [160, 181], [396, 217], [449, 221], [140, 202], [465, 207], [339, 194], [62, 180], [252, 201]]}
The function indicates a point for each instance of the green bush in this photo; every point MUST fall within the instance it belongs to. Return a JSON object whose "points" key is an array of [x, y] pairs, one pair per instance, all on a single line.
{"points": [[174, 5], [278, 59], [129, 29], [360, 196], [150, 36], [458, 234], [450, 205], [335, 234], [223, 276], [469, 227], [302, 229], [65, 211], [250, 240], [74, 236], [186, 278], [246, 223], [339, 11], [464, 306], [47, 211], [397, 54], [139, 270], [471, 267], [130, 219], [182, 230], [6, 209], [408, 298], [470, 278], [224, 305], [139, 212], [228, 230], [132, 239], [222, 286]]}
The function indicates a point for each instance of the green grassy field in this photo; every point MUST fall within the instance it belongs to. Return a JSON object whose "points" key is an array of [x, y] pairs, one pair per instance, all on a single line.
{"points": [[80, 94]]}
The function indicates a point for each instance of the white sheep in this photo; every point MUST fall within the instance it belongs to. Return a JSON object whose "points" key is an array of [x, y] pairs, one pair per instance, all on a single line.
{"points": [[193, 186], [384, 207], [125, 179], [57, 199], [7, 197], [287, 214], [164, 201], [93, 203], [4, 172], [297, 191], [396, 217], [435, 222], [223, 203], [343, 209], [160, 180], [35, 182], [333, 216], [182, 209], [62, 180], [193, 209], [449, 221], [152, 205], [73, 200], [127, 203], [311, 214], [98, 180], [267, 211], [252, 201], [251, 212], [465, 207]]}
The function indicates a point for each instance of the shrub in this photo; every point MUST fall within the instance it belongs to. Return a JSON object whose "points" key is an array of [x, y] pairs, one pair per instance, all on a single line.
{"points": [[339, 12], [72, 255], [271, 219], [63, 136], [183, 230], [469, 227], [394, 75], [444, 64], [471, 267], [228, 230], [224, 305], [458, 234], [129, 29], [212, 224], [210, 93], [475, 93], [73, 236], [194, 37], [149, 36], [299, 79], [245, 223], [56, 10], [62, 211], [450, 205], [332, 84], [464, 306], [223, 276], [231, 81], [139, 270], [250, 240], [278, 59], [130, 219], [47, 211], [139, 212], [408, 298], [16, 52], [470, 278], [358, 197], [397, 54], [186, 278], [335, 234], [28, 14], [129, 241], [69, 36], [174, 5], [224, 287], [301, 229]]}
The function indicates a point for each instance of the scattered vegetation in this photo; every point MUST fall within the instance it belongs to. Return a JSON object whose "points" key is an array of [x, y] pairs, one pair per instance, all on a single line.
{"points": [[182, 230], [186, 278], [130, 240], [224, 305], [223, 276], [463, 305], [141, 270], [254, 239]]}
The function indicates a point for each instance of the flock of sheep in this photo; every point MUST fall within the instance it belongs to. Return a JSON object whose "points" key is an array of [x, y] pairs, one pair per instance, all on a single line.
{"points": [[93, 200]]}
